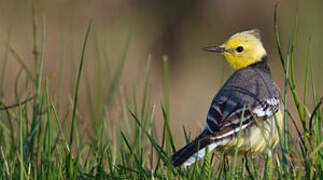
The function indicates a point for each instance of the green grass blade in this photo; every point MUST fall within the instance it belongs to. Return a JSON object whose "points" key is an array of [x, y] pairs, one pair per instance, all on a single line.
{"points": [[75, 103], [116, 78], [36, 123], [285, 151], [233, 168], [306, 77], [21, 145], [277, 38], [168, 131], [165, 83], [77, 87], [143, 107], [125, 110]]}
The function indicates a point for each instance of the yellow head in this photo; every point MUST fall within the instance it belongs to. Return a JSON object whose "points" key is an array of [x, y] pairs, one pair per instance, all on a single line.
{"points": [[241, 49]]}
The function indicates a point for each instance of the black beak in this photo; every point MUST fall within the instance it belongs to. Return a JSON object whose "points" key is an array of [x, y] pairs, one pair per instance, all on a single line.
{"points": [[216, 49]]}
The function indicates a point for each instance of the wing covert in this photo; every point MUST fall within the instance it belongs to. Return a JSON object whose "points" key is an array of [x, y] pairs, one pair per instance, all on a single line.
{"points": [[222, 123]]}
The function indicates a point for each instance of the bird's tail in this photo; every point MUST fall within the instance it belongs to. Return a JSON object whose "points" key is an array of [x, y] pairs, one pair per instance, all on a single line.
{"points": [[194, 150]]}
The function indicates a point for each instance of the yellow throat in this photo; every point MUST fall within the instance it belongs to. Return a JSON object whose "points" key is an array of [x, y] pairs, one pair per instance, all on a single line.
{"points": [[241, 49]]}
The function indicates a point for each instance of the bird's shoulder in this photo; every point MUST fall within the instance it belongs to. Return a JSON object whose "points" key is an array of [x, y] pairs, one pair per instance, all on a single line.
{"points": [[254, 81]]}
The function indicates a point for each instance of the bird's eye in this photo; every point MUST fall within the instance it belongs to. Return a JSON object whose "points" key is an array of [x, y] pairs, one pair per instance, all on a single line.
{"points": [[239, 49]]}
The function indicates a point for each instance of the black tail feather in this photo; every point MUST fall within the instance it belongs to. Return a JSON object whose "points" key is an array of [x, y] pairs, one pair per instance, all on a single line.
{"points": [[180, 156]]}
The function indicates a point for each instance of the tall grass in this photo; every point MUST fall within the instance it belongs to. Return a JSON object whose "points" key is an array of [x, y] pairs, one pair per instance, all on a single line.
{"points": [[36, 141]]}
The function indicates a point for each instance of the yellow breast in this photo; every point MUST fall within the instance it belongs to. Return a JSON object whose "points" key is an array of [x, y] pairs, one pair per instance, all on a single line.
{"points": [[258, 138]]}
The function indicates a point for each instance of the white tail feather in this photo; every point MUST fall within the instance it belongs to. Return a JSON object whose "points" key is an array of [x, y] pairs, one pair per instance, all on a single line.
{"points": [[201, 153]]}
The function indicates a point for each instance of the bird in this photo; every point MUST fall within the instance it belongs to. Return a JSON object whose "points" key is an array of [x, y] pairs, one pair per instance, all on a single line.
{"points": [[247, 104]]}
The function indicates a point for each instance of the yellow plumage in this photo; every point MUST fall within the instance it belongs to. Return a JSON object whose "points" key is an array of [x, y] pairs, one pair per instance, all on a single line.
{"points": [[257, 138], [250, 41]]}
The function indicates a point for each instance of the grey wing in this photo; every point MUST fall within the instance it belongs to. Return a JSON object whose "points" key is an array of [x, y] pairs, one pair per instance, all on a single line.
{"points": [[224, 117]]}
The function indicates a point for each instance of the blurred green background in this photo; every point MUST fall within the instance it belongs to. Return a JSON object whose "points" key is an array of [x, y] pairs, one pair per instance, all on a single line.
{"points": [[177, 29]]}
